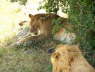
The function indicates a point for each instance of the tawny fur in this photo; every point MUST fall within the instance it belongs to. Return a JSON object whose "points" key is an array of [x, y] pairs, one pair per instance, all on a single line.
{"points": [[69, 58], [65, 36], [41, 25]]}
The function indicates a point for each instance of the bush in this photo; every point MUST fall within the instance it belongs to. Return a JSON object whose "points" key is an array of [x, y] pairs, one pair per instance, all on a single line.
{"points": [[81, 16]]}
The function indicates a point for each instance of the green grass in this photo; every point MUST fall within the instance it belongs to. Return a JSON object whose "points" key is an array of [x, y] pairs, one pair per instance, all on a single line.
{"points": [[20, 60]]}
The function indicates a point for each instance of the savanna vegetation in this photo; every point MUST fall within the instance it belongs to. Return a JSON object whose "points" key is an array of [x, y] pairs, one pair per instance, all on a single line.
{"points": [[81, 16], [27, 59], [21, 58]]}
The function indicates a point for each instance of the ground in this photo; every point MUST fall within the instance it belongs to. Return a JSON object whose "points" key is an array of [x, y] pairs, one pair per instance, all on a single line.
{"points": [[20, 60], [24, 58]]}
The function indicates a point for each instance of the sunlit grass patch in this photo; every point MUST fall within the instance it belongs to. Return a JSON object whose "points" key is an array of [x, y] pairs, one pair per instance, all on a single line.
{"points": [[10, 15]]}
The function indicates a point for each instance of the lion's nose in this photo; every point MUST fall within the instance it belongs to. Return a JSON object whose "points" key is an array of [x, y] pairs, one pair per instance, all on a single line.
{"points": [[36, 33]]}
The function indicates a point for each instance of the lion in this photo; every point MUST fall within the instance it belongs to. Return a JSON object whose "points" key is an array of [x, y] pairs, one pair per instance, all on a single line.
{"points": [[65, 36], [69, 58], [41, 26]]}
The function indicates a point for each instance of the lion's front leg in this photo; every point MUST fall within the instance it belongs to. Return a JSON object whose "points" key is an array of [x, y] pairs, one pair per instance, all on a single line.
{"points": [[31, 38]]}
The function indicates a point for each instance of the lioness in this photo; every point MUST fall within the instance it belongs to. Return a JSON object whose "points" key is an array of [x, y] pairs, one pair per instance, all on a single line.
{"points": [[65, 36], [69, 58], [41, 25]]}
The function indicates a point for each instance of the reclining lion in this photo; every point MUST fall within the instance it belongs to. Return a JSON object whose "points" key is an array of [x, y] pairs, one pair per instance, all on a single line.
{"points": [[41, 26], [69, 58]]}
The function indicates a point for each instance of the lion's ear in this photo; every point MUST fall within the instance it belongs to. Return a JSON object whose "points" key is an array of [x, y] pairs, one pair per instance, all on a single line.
{"points": [[30, 15], [22, 23]]}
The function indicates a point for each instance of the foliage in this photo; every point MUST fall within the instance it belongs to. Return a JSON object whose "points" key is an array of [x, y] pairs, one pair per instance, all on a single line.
{"points": [[57, 25], [54, 5], [81, 16]]}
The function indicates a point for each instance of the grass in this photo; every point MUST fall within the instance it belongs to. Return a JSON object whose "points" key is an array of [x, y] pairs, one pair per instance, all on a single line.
{"points": [[20, 60]]}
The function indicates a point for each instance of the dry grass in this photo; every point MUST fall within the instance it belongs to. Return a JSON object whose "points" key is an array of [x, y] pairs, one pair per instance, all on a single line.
{"points": [[20, 60]]}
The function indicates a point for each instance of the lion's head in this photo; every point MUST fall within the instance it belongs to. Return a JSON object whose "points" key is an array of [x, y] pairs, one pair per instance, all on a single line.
{"points": [[62, 52], [41, 23], [62, 57], [69, 58]]}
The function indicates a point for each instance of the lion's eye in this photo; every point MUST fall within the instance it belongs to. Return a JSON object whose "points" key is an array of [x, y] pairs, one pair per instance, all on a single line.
{"points": [[56, 56]]}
